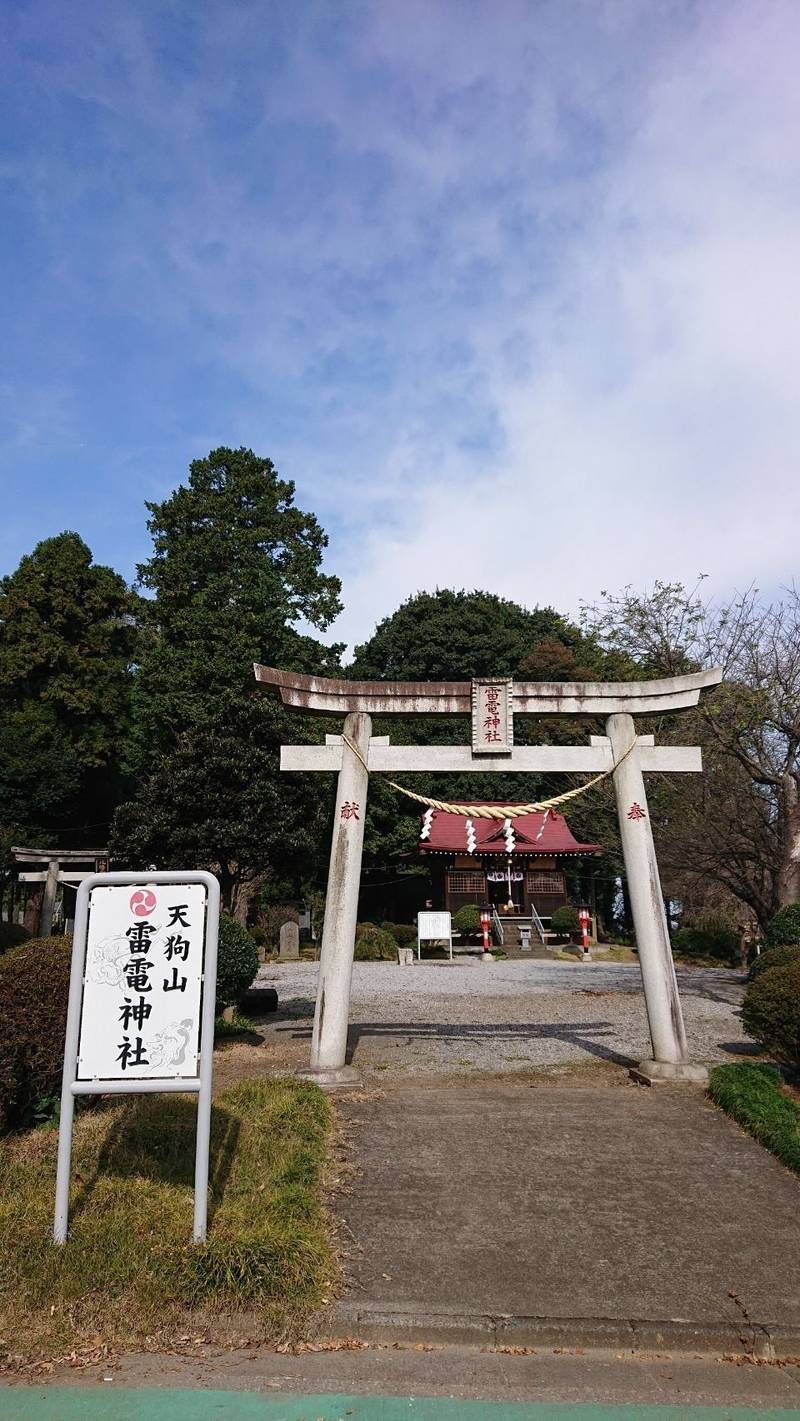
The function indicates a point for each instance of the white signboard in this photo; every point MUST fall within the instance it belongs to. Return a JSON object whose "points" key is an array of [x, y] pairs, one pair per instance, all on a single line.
{"points": [[492, 717], [434, 927], [140, 1015], [144, 973]]}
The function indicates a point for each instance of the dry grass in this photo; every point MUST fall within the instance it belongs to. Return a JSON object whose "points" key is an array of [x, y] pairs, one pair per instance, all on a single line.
{"points": [[129, 1273], [619, 953]]}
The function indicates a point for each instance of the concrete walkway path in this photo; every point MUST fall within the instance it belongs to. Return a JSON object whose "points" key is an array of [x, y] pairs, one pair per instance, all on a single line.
{"points": [[584, 1215]]}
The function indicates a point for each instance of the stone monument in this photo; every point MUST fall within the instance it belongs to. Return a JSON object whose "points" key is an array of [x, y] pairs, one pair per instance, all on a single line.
{"points": [[289, 942]]}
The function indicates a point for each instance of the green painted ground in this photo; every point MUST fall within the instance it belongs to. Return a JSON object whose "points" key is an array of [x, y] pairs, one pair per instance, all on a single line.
{"points": [[80, 1404]]}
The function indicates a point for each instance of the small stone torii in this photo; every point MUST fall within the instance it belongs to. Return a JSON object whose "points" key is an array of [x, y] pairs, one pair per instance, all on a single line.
{"points": [[492, 703], [54, 866]]}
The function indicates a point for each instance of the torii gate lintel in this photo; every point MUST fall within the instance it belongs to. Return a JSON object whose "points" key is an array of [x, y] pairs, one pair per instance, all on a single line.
{"points": [[620, 752]]}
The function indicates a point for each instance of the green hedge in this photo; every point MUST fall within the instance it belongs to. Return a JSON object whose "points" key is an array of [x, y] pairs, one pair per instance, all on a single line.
{"points": [[771, 1011], [774, 957], [785, 926], [34, 990], [752, 1095], [404, 934], [713, 937], [373, 944]]}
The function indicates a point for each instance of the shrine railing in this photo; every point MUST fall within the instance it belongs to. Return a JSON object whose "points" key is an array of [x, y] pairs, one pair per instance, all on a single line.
{"points": [[537, 923]]}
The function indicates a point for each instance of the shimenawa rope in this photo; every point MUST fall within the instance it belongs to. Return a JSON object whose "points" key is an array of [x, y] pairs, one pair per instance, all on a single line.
{"points": [[494, 811]]}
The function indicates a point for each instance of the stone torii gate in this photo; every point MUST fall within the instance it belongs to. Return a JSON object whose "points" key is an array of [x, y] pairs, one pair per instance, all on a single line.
{"points": [[54, 866], [492, 703]]}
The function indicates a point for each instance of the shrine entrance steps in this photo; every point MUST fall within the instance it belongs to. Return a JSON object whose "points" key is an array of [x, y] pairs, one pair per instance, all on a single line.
{"points": [[512, 939]]}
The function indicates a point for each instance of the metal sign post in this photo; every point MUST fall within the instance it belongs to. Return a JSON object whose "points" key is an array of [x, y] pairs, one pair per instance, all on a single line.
{"points": [[142, 997]]}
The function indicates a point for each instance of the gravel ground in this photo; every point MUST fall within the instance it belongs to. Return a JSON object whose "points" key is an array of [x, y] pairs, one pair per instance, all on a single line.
{"points": [[435, 1018]]}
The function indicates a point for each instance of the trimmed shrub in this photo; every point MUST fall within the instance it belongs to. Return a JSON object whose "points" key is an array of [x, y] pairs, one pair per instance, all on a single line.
{"points": [[774, 957], [711, 936], [565, 920], [237, 962], [403, 933], [34, 990], [785, 926], [771, 1011], [467, 920], [12, 934], [373, 944]]}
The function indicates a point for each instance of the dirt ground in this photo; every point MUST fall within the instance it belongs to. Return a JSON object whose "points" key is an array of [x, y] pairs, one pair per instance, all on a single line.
{"points": [[510, 1017]]}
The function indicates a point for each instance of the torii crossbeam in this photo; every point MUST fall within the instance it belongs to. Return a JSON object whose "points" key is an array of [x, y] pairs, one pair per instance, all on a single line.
{"points": [[492, 703]]}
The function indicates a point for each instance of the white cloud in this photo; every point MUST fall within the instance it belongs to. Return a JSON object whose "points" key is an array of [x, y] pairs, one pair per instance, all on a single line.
{"points": [[656, 431], [509, 289]]}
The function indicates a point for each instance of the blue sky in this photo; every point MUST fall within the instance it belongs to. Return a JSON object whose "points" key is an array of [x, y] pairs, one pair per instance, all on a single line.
{"points": [[509, 289]]}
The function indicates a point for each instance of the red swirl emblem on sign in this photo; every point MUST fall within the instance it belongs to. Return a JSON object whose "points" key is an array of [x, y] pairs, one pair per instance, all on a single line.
{"points": [[143, 902]]}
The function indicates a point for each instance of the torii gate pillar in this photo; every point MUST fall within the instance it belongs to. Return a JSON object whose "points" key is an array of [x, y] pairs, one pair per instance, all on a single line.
{"points": [[665, 1017], [329, 1039]]}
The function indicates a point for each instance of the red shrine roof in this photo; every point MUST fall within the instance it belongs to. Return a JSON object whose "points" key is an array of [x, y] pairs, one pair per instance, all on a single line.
{"points": [[544, 832]]}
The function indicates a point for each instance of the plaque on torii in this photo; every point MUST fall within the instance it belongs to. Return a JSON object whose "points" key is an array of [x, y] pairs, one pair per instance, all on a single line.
{"points": [[492, 704]]}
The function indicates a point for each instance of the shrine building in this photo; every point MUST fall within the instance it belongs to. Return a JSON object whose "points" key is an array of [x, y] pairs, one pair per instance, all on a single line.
{"points": [[518, 866]]}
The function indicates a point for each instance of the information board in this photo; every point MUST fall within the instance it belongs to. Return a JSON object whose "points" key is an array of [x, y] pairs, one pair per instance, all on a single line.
{"points": [[142, 997], [434, 927], [140, 1015]]}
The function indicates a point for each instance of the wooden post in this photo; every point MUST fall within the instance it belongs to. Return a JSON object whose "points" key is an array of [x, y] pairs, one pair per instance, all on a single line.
{"points": [[665, 1018], [49, 903], [329, 1040]]}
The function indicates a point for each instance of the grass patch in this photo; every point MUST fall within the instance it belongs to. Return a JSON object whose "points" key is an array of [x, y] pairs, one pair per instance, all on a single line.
{"points": [[619, 953], [130, 1272], [239, 1025], [751, 1094]]}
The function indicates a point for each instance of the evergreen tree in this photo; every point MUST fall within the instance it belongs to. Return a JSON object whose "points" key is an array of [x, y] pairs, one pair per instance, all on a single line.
{"points": [[452, 636], [235, 567], [67, 635]]}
